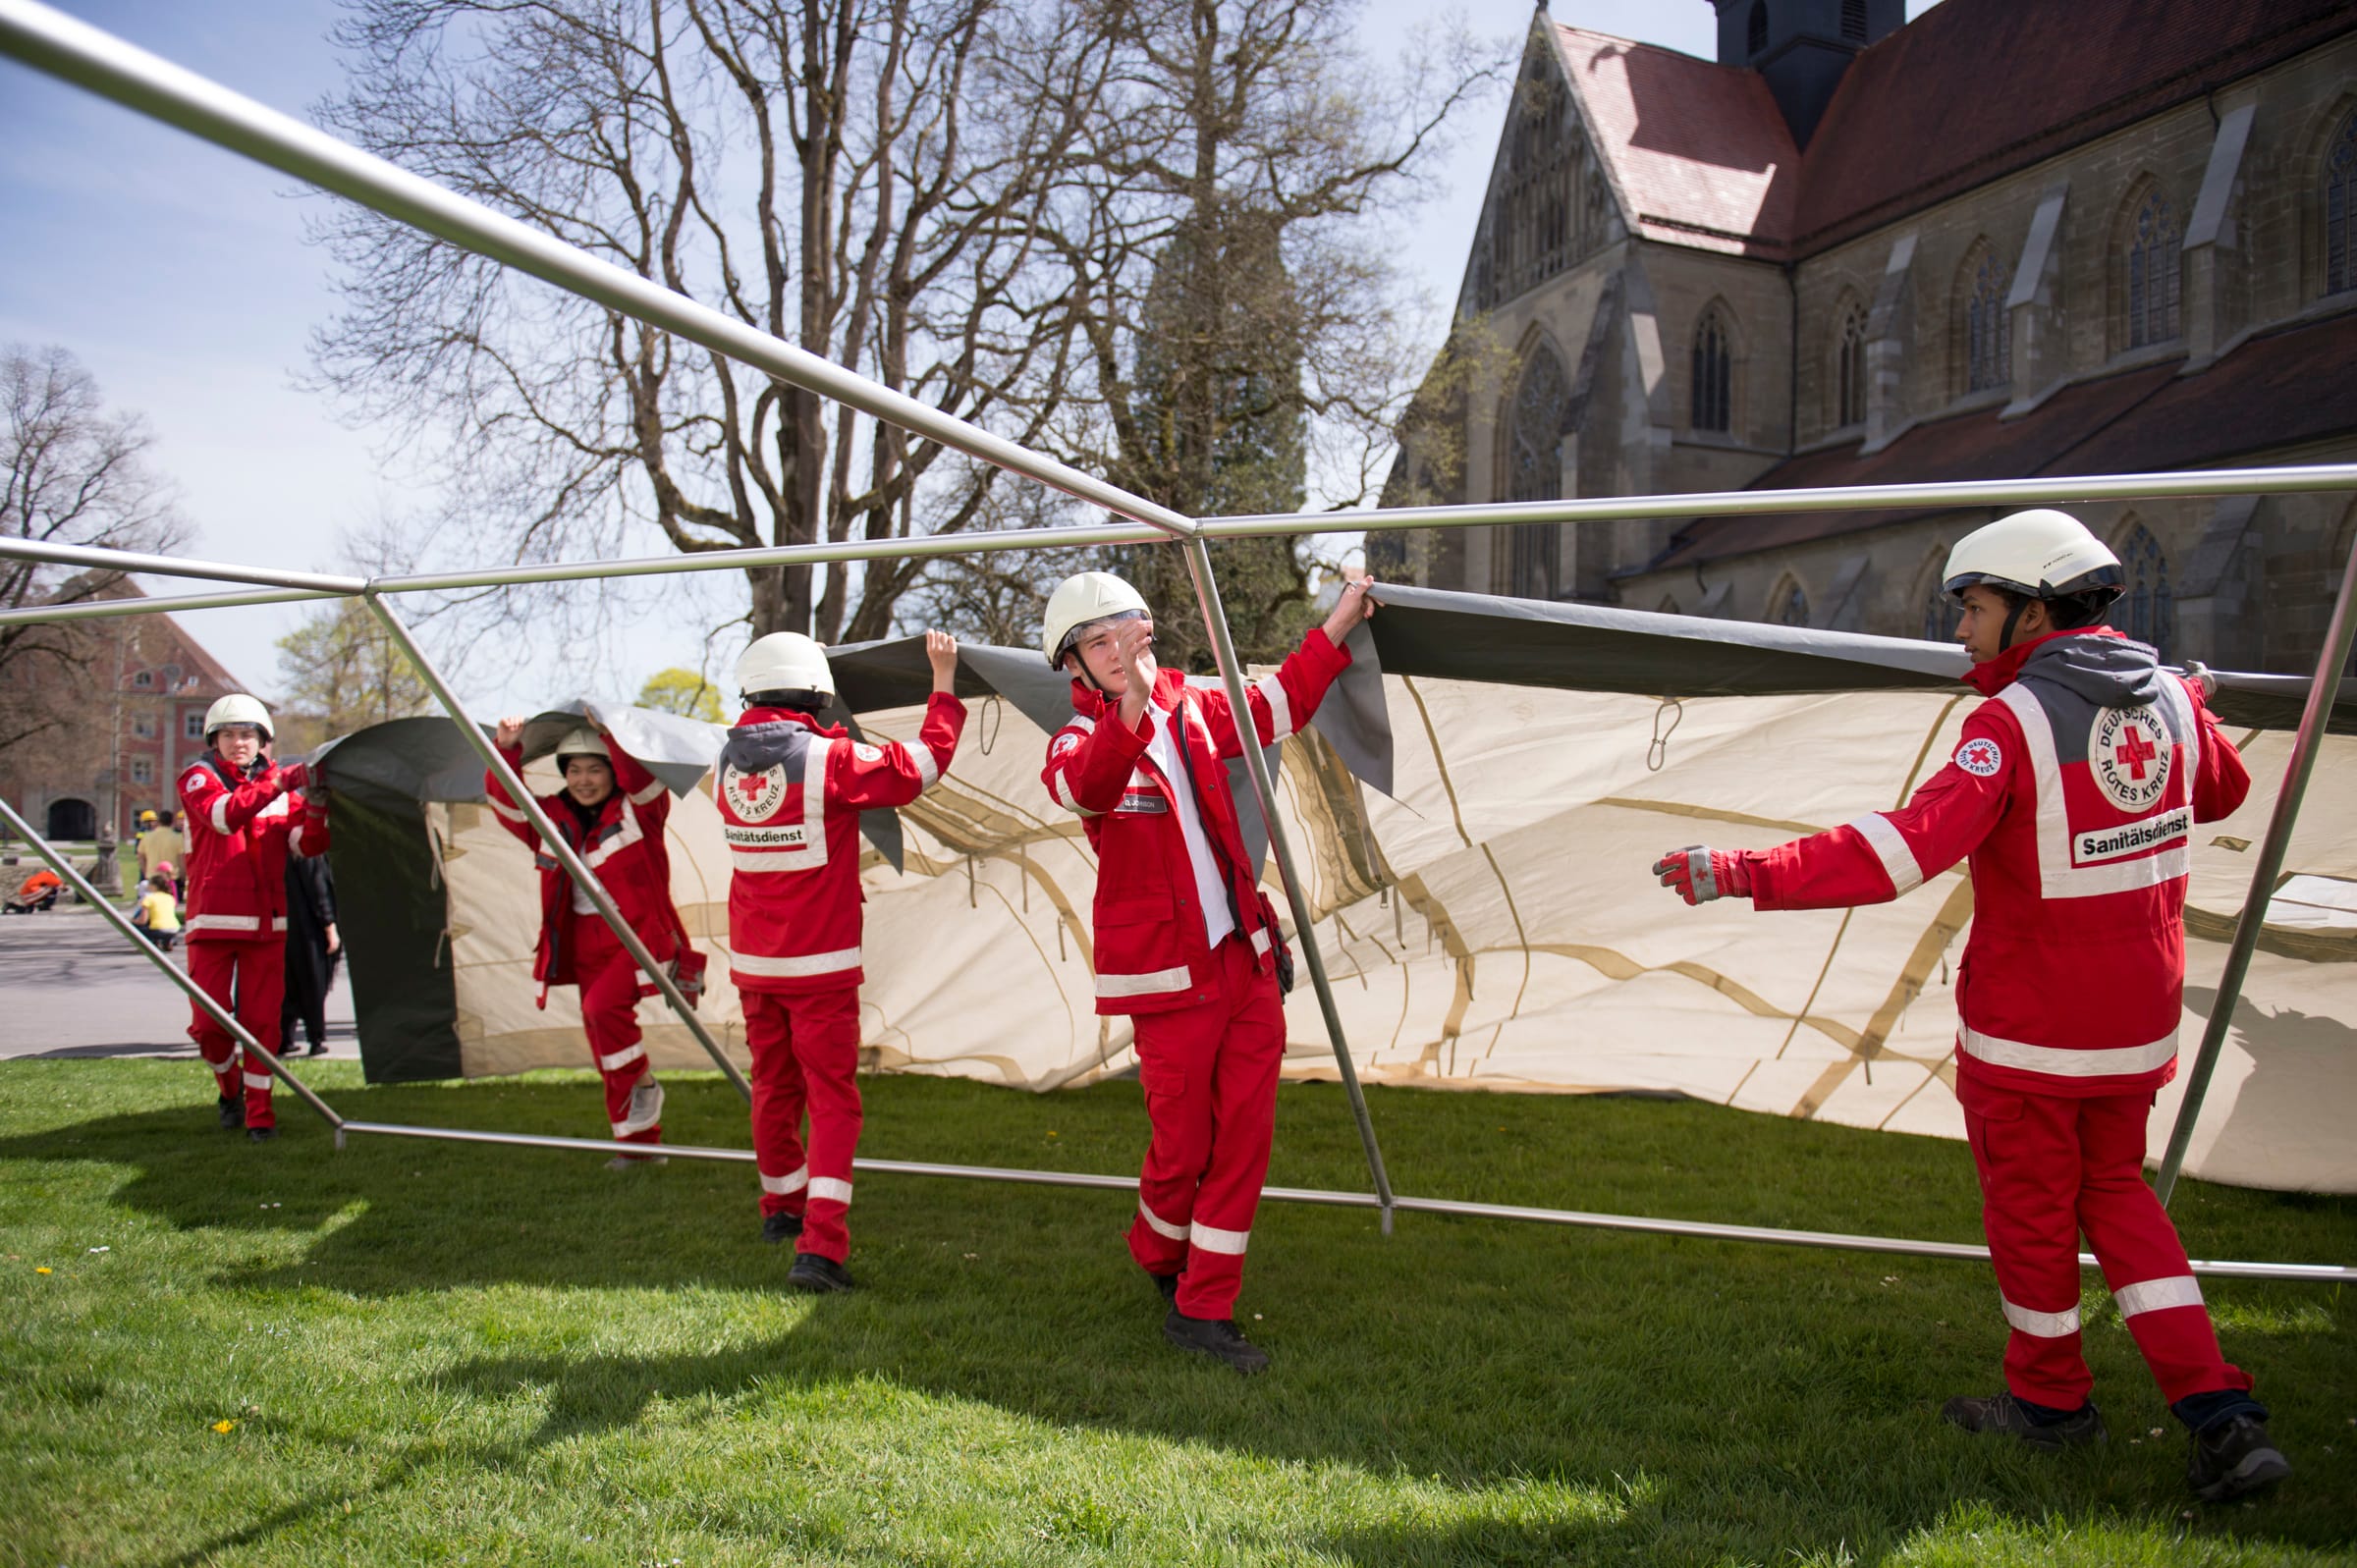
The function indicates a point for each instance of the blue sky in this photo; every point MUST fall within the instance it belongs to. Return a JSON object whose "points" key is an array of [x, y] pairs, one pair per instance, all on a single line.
{"points": [[179, 274]]}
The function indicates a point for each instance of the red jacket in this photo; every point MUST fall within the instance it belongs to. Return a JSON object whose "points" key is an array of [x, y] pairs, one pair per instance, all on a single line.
{"points": [[1153, 952], [2074, 790], [240, 830], [794, 888], [624, 845]]}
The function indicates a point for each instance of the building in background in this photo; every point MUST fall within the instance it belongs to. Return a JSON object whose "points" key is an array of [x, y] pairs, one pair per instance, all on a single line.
{"points": [[2009, 239], [130, 712]]}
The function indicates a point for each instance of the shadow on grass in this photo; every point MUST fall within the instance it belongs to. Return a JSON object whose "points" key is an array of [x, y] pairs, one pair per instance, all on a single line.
{"points": [[1701, 1397]]}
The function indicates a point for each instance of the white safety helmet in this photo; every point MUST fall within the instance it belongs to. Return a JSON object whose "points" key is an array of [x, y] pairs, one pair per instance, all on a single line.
{"points": [[235, 709], [1079, 603], [2041, 554], [785, 661], [582, 742]]}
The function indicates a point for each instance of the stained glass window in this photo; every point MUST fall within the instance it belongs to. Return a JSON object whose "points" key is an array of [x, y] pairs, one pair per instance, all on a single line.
{"points": [[2148, 610], [1534, 471], [2153, 272], [1713, 374], [1987, 345], [1849, 369], [2340, 209]]}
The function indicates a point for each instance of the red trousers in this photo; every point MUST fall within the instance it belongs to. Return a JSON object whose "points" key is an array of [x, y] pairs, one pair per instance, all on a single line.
{"points": [[807, 1057], [1209, 1073], [249, 979], [610, 986], [2051, 1168]]}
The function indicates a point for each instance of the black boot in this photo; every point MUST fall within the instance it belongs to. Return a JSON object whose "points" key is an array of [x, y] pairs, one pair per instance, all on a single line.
{"points": [[260, 1134], [2003, 1415], [781, 1228], [816, 1274], [233, 1112], [1168, 1284], [2234, 1459], [1216, 1337]]}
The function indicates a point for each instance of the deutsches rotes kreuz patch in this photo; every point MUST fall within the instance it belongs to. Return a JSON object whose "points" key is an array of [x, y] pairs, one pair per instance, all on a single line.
{"points": [[754, 796], [1980, 757], [868, 753], [2129, 753]]}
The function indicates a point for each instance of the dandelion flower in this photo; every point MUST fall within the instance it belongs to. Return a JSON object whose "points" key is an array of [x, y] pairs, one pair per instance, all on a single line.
{"points": [[223, 1425]]}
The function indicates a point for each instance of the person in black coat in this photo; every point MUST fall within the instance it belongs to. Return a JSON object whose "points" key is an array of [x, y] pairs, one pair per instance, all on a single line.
{"points": [[313, 949]]}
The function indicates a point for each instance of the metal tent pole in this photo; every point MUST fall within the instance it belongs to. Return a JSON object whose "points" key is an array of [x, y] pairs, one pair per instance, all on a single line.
{"points": [[2304, 746], [1264, 790], [196, 994], [575, 866]]}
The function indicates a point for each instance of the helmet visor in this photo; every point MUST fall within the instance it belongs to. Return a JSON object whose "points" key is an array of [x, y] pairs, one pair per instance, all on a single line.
{"points": [[1073, 638]]}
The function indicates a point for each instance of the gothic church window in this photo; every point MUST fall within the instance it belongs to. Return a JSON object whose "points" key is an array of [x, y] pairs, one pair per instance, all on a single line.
{"points": [[2150, 271], [1985, 341], [2148, 611], [1541, 220], [1534, 471], [2340, 209], [1711, 385], [1849, 369], [1940, 611]]}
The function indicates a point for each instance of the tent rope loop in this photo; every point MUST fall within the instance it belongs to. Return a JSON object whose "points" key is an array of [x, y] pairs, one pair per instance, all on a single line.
{"points": [[1658, 753]]}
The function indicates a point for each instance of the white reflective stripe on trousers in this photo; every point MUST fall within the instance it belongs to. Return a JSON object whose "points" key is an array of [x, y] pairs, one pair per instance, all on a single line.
{"points": [[1159, 1226], [2153, 1295], [621, 1059], [257, 1080], [2042, 1325], [780, 1186], [801, 967], [1211, 1238], [824, 1189]]}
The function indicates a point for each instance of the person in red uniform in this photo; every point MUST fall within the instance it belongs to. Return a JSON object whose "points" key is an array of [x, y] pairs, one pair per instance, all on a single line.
{"points": [[246, 815], [1187, 944], [2073, 789], [611, 812], [790, 793]]}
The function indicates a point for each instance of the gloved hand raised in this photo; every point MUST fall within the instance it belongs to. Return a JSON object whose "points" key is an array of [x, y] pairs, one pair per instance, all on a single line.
{"points": [[292, 775], [1698, 873]]}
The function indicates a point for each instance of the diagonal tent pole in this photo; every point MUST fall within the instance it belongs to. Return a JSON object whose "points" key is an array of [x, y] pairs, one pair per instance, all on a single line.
{"points": [[2304, 746], [1264, 790], [172, 971], [578, 869]]}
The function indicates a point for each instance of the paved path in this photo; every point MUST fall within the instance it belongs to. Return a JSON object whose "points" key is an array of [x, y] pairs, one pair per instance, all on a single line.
{"points": [[76, 987]]}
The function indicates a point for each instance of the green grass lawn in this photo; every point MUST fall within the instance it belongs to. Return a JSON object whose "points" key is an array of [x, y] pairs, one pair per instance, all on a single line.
{"points": [[444, 1353]]}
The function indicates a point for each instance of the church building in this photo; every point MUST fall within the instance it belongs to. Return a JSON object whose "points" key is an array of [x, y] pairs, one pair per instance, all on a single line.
{"points": [[2009, 239]]}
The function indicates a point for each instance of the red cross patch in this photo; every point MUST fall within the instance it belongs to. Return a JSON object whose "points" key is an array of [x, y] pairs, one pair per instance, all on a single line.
{"points": [[1980, 757]]}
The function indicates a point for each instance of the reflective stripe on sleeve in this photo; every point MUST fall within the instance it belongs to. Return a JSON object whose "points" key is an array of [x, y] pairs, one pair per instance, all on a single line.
{"points": [[1281, 708], [780, 1186], [504, 809], [640, 798], [830, 1189], [1998, 1052], [1260, 940], [796, 968], [928, 766], [221, 812], [1885, 841], [2153, 1295], [621, 1059], [1159, 1226], [2042, 1325], [1146, 985], [1065, 798], [1211, 1238]]}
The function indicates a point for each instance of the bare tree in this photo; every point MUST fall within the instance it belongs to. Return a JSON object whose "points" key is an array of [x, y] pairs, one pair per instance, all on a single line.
{"points": [[851, 176], [71, 473]]}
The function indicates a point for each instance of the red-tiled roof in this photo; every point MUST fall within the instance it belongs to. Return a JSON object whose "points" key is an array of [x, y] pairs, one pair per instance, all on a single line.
{"points": [[1966, 92], [1700, 152], [1973, 88], [2280, 390]]}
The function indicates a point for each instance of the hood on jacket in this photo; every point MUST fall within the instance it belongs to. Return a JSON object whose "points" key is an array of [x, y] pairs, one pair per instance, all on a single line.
{"points": [[766, 738], [2103, 666]]}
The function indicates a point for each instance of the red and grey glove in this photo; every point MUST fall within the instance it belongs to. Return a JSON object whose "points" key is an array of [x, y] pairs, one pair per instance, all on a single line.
{"points": [[292, 775], [1698, 873]]}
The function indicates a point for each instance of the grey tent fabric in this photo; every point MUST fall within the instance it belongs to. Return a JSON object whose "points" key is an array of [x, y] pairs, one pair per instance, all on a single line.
{"points": [[1579, 647]]}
